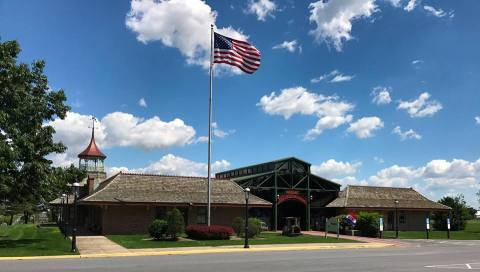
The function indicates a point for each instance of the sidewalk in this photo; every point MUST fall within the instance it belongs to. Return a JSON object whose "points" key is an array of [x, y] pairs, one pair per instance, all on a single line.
{"points": [[98, 245], [102, 247]]}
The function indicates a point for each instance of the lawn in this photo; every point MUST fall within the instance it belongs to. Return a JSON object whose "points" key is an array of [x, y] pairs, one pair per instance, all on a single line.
{"points": [[471, 232], [30, 240], [144, 241]]}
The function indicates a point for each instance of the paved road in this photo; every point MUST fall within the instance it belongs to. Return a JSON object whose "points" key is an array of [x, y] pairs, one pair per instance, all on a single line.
{"points": [[420, 256]]}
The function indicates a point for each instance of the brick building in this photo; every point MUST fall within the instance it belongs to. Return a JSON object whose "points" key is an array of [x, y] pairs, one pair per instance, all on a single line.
{"points": [[411, 207]]}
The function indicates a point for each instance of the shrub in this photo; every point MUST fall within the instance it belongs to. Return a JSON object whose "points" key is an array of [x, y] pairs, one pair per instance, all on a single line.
{"points": [[254, 227], [238, 225], [368, 224], [212, 232], [158, 229], [459, 213], [175, 223]]}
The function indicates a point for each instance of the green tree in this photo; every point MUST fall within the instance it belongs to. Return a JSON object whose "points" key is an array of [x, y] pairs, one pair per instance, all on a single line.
{"points": [[26, 104], [368, 223], [238, 225], [175, 223], [59, 180], [459, 213]]}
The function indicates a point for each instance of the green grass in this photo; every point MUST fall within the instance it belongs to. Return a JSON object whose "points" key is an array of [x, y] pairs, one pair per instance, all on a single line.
{"points": [[471, 232], [30, 240], [143, 241]]}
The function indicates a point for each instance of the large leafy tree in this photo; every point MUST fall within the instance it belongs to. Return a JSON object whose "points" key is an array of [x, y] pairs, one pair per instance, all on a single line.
{"points": [[458, 216], [26, 104]]}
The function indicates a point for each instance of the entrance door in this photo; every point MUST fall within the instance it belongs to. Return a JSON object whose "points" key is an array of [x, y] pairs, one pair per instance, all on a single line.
{"points": [[291, 208]]}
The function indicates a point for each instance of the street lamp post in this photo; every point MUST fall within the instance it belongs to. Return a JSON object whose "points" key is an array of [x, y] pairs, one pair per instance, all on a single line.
{"points": [[76, 189], [247, 195], [396, 218]]}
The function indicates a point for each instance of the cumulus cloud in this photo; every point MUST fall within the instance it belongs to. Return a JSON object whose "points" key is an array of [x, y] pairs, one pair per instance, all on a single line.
{"points": [[405, 135], [261, 8], [438, 12], [184, 25], [332, 168], [175, 165], [142, 102], [334, 76], [338, 171], [477, 120], [119, 129], [290, 46], [421, 107], [297, 100], [410, 5], [333, 19], [381, 95], [435, 175], [365, 127]]}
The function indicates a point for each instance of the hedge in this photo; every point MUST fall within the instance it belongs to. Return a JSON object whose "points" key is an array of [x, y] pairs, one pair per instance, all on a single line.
{"points": [[212, 232]]}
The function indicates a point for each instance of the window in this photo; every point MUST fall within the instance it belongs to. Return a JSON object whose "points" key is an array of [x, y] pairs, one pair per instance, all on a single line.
{"points": [[202, 215], [402, 218]]}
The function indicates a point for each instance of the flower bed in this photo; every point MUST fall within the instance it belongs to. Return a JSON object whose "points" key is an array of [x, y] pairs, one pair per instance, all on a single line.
{"points": [[212, 232]]}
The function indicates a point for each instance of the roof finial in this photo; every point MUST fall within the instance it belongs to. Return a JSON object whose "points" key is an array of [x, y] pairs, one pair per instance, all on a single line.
{"points": [[93, 125]]}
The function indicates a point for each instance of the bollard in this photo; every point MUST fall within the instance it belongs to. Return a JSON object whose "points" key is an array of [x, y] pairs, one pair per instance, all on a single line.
{"points": [[448, 227], [326, 227], [428, 226], [381, 227]]}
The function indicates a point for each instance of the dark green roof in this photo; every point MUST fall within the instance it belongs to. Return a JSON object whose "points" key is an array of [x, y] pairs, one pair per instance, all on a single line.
{"points": [[263, 163]]}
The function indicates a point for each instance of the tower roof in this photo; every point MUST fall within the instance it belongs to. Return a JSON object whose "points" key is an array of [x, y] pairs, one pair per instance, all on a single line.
{"points": [[92, 150]]}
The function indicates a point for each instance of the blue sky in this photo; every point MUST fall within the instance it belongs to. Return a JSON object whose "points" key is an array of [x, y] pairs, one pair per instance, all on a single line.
{"points": [[378, 92]]}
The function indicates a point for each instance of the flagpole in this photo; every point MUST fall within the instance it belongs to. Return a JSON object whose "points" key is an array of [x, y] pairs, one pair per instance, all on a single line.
{"points": [[209, 186]]}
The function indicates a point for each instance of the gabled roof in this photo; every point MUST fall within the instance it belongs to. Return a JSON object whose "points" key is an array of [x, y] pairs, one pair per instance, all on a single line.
{"points": [[92, 150], [145, 188], [374, 197]]}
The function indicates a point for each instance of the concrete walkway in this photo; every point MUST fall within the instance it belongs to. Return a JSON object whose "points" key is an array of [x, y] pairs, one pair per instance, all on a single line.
{"points": [[98, 245]]}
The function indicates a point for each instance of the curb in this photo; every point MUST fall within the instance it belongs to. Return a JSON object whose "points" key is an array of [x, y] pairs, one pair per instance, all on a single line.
{"points": [[207, 251]]}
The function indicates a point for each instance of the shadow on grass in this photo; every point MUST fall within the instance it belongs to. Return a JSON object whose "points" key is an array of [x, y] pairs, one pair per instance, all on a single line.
{"points": [[19, 243]]}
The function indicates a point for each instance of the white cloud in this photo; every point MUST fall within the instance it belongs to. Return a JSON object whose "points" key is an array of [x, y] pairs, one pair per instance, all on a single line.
{"points": [[334, 76], [410, 5], [334, 169], [395, 175], [434, 176], [261, 8], [142, 102], [290, 46], [417, 61], [405, 135], [333, 19], [378, 159], [118, 129], [381, 95], [184, 25], [338, 171], [297, 100], [217, 132], [421, 107], [395, 3], [438, 12], [327, 122], [175, 165], [477, 119], [364, 127]]}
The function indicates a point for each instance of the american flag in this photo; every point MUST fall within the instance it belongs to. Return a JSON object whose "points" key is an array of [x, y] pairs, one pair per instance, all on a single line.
{"points": [[237, 53]]}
